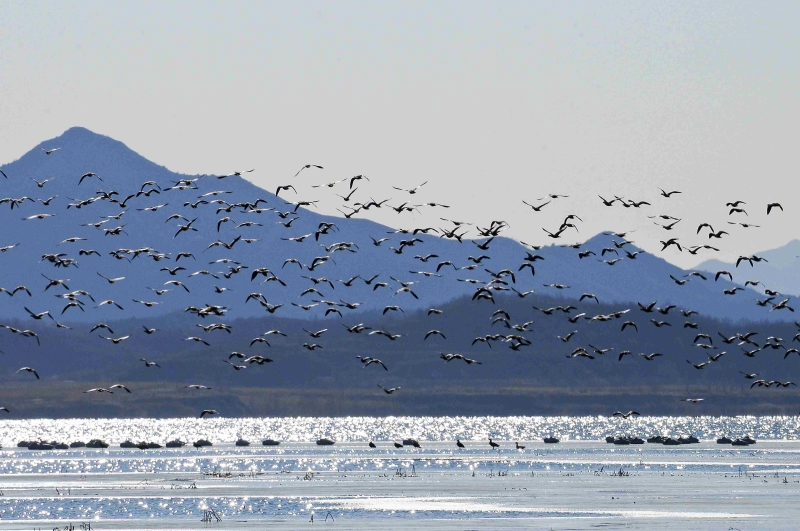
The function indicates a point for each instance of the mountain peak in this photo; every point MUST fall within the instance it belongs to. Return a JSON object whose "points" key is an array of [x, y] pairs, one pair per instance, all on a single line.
{"points": [[82, 150], [80, 137]]}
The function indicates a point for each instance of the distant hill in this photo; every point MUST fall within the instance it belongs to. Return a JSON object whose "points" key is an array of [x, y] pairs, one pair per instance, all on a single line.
{"points": [[644, 279], [536, 379], [781, 272]]}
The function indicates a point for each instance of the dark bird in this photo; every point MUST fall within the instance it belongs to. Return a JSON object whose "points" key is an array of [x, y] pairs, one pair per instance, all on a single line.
{"points": [[668, 194], [770, 206]]}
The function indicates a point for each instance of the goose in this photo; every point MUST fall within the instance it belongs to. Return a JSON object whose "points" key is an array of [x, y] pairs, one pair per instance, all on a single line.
{"points": [[567, 337], [109, 302], [235, 174], [668, 226], [650, 357], [236, 367], [574, 319], [536, 208], [311, 346], [30, 370], [716, 357], [679, 282], [42, 183], [88, 175], [600, 351], [770, 206], [114, 340], [782, 305], [99, 390], [671, 241], [607, 202], [411, 191], [370, 361], [198, 340], [385, 334], [390, 390], [110, 280], [317, 334], [703, 336], [434, 332], [625, 415], [38, 316], [149, 363], [101, 325], [38, 216], [208, 412]]}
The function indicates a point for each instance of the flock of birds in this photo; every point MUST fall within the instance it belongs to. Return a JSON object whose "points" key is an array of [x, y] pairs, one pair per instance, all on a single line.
{"points": [[249, 217]]}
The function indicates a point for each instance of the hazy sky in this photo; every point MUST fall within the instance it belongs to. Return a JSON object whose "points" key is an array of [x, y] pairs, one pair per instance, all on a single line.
{"points": [[490, 102]]}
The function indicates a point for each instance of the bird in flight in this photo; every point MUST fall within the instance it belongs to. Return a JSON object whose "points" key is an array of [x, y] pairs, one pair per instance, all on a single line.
{"points": [[306, 167], [770, 206], [624, 415], [668, 194], [30, 370]]}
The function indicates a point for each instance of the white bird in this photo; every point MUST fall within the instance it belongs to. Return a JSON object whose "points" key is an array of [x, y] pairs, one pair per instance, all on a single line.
{"points": [[110, 280], [115, 340], [29, 369], [198, 340]]}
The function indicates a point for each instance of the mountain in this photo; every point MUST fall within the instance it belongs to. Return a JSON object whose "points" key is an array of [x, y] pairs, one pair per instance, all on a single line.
{"points": [[513, 377], [781, 271], [645, 279]]}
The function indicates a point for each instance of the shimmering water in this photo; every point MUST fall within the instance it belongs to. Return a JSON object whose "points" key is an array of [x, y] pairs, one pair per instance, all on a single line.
{"points": [[352, 429], [579, 483]]}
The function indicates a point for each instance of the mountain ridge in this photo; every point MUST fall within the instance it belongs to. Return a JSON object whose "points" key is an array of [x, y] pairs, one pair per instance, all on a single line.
{"points": [[123, 170], [780, 271]]}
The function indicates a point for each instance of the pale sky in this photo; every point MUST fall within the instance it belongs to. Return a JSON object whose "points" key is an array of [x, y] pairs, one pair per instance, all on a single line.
{"points": [[490, 102]]}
